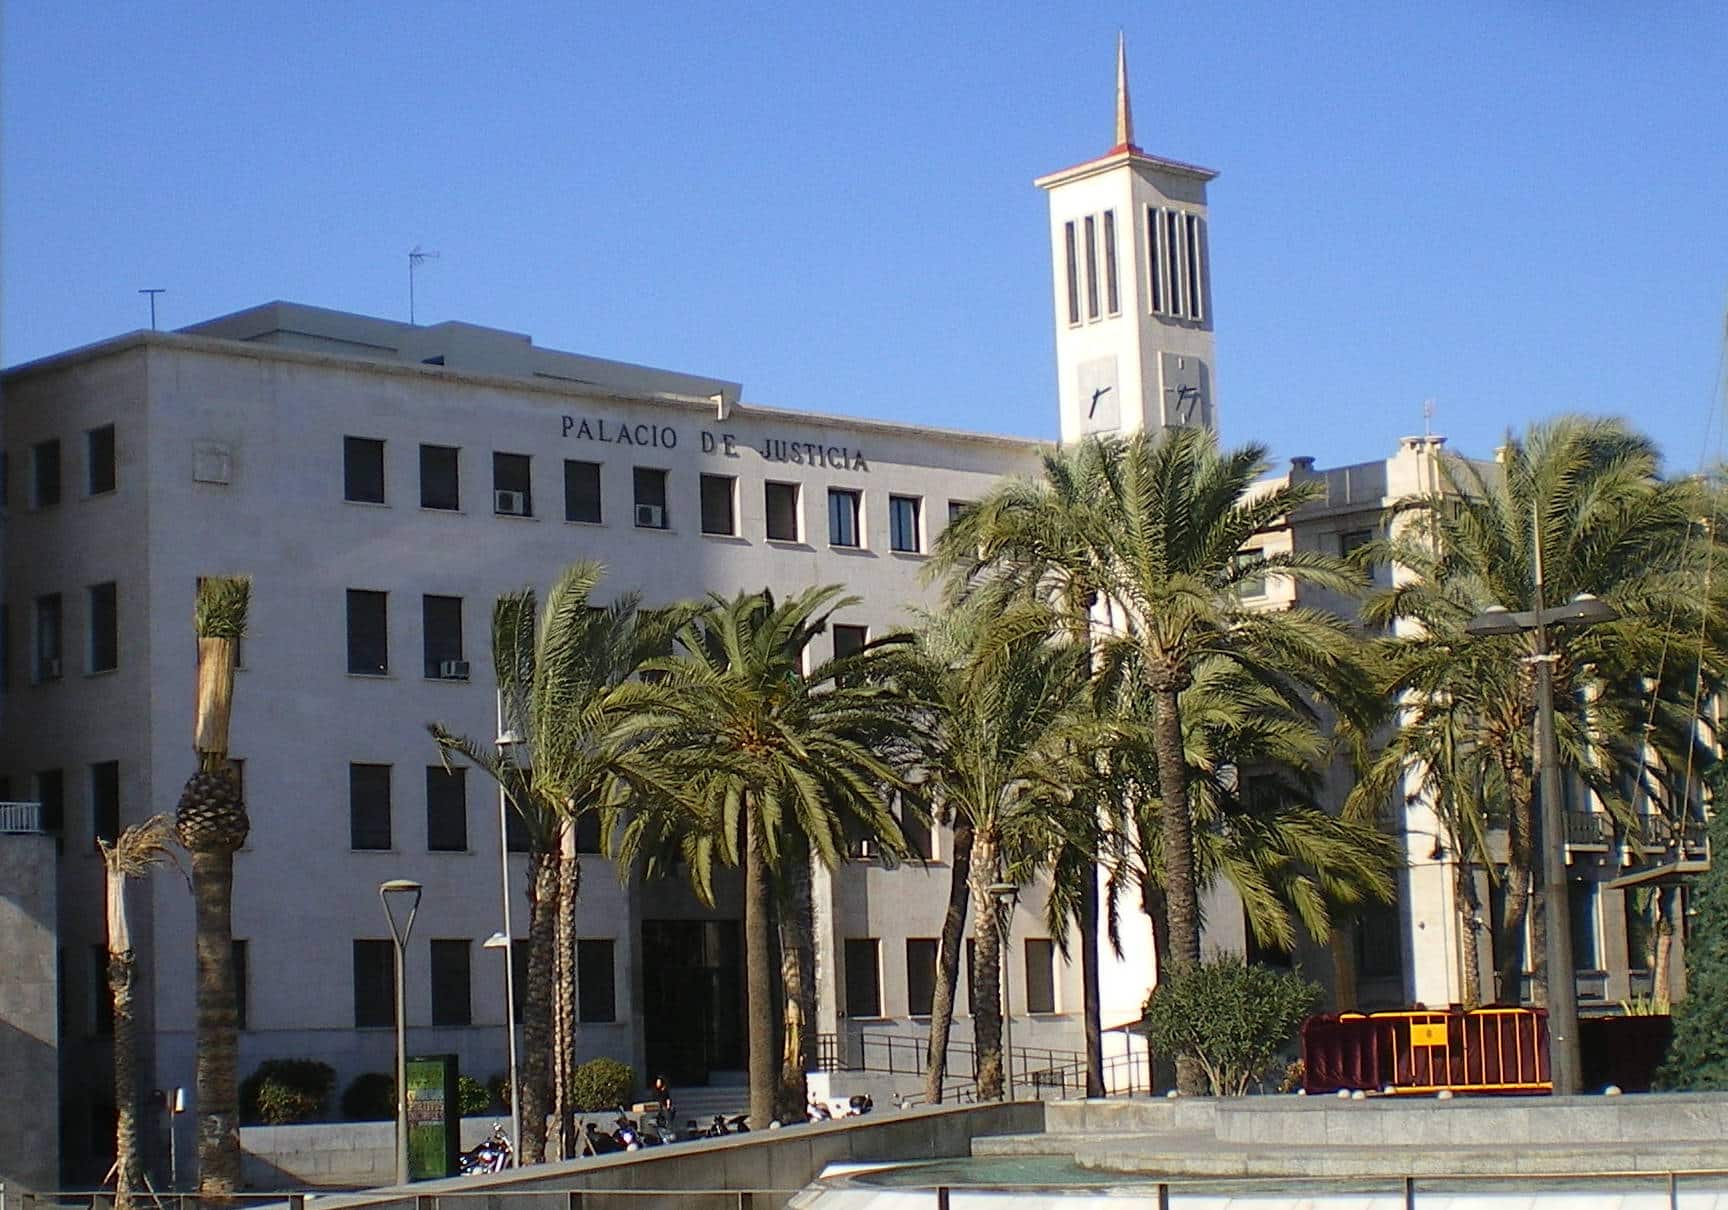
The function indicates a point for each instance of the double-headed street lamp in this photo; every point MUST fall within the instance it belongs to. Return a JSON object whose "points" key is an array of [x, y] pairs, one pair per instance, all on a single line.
{"points": [[1564, 1059], [401, 900], [1005, 894]]}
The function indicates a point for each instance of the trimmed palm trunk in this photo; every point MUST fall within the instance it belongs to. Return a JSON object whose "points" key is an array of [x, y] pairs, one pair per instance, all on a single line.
{"points": [[122, 970], [1181, 894], [1341, 945], [535, 1076], [759, 972], [1090, 998], [1520, 854], [798, 983], [1662, 962], [987, 966], [564, 994], [1470, 912], [948, 964]]}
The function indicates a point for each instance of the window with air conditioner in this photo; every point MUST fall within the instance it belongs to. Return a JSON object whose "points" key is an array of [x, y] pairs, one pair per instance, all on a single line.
{"points": [[512, 489], [649, 489], [441, 629]]}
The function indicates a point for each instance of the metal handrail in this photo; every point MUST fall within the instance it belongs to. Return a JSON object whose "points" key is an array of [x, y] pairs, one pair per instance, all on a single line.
{"points": [[21, 818]]}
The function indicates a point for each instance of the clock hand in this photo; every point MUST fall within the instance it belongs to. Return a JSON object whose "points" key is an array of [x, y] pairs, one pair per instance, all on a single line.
{"points": [[1096, 395]]}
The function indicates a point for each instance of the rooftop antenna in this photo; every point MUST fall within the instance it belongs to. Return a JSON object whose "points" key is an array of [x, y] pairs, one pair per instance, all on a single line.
{"points": [[153, 293], [1427, 418], [415, 256]]}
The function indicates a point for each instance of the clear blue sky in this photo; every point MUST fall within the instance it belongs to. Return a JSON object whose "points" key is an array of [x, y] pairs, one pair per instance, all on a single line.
{"points": [[1511, 208]]}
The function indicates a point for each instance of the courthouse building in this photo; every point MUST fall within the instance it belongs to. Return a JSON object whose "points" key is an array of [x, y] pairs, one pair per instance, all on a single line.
{"points": [[382, 483]]}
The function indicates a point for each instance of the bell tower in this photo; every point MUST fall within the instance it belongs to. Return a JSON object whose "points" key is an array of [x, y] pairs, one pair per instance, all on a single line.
{"points": [[1133, 297]]}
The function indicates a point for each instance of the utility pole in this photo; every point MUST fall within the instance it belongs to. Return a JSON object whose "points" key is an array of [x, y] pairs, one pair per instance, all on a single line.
{"points": [[153, 293]]}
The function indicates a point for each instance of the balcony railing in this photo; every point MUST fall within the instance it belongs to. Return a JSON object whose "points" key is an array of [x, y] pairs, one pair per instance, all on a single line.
{"points": [[21, 818]]}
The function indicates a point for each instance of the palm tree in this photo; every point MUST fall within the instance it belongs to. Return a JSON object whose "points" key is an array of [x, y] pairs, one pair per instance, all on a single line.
{"points": [[556, 670], [132, 854], [759, 764], [211, 823], [1587, 494]]}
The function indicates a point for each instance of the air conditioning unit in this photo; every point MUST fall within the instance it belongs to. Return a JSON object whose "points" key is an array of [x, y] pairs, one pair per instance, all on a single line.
{"points": [[650, 516], [453, 670], [51, 670], [511, 504]]}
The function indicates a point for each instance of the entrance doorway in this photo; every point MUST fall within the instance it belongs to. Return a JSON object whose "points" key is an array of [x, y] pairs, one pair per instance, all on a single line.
{"points": [[692, 998]]}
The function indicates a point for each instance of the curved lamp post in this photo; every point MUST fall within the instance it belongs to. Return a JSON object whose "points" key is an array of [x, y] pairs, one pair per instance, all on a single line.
{"points": [[508, 738], [401, 900], [1006, 893], [1565, 1059], [501, 941]]}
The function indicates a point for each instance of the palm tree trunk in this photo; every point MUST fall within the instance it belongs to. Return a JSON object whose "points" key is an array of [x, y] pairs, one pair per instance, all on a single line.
{"points": [[1520, 848], [122, 968], [1090, 997], [987, 965], [798, 987], [1157, 908], [218, 1041], [537, 1004], [1470, 911], [1181, 892], [758, 972], [948, 965], [1341, 944], [564, 994], [1662, 962]]}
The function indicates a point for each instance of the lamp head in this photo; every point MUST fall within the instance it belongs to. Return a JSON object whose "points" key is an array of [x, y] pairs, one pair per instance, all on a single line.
{"points": [[401, 900], [1496, 619]]}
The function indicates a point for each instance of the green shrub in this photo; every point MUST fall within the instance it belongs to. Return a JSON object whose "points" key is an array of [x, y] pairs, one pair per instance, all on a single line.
{"points": [[601, 1084], [370, 1097], [1698, 1055], [286, 1091], [499, 1086], [473, 1096], [1229, 1017]]}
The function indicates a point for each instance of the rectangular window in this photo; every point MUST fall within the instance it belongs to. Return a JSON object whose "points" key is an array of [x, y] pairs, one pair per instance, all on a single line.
{"points": [[101, 998], [51, 793], [99, 460], [242, 981], [369, 806], [971, 970], [516, 838], [1091, 267], [1191, 250], [1154, 269], [596, 996], [1073, 273], [440, 478], [863, 977], [374, 984], [843, 509], [1252, 586], [363, 470], [1040, 975], [649, 487], [1173, 259], [903, 528], [919, 831], [5, 646], [957, 509], [45, 481], [105, 800], [849, 639], [368, 633], [1112, 293], [588, 832], [451, 1001], [48, 637], [446, 809], [781, 504], [920, 976], [519, 974], [1380, 945], [512, 487], [104, 627], [717, 511], [582, 491], [441, 634], [1586, 954]]}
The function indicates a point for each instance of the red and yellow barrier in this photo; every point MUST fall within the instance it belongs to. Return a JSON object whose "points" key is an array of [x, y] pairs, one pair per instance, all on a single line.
{"points": [[1503, 1050]]}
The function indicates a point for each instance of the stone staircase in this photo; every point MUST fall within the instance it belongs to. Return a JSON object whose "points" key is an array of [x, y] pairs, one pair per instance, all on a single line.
{"points": [[1381, 1136]]}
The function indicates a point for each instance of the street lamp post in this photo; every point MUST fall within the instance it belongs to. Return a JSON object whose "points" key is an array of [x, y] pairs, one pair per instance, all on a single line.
{"points": [[1006, 893], [506, 740], [401, 900], [1564, 1058], [501, 941]]}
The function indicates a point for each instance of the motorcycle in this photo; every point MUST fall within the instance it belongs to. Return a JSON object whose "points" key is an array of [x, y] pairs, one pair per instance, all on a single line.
{"points": [[595, 1143], [491, 1154], [722, 1126]]}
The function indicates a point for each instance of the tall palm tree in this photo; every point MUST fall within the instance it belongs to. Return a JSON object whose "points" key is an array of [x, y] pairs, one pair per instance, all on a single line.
{"points": [[556, 671], [1588, 495], [132, 854], [211, 823], [758, 763]]}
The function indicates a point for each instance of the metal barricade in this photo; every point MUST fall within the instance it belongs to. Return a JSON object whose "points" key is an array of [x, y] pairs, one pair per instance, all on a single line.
{"points": [[1502, 1050]]}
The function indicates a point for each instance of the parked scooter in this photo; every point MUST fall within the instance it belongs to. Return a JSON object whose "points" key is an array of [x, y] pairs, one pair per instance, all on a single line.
{"points": [[491, 1154], [631, 1134], [596, 1143], [723, 1125]]}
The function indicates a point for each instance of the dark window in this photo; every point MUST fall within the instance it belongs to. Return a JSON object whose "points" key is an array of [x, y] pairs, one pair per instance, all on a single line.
{"points": [[903, 523], [368, 632], [48, 636], [1112, 296], [849, 639], [5, 646], [1091, 267], [843, 507], [1353, 540], [363, 470], [99, 460], [242, 978], [971, 970], [863, 978], [374, 984], [105, 800], [516, 839], [369, 806], [1073, 273], [588, 832], [440, 478], [1153, 273], [104, 628], [956, 508], [582, 492], [512, 490], [451, 1003], [1265, 953], [45, 461], [919, 832], [446, 809], [1585, 955], [519, 974], [920, 976], [1173, 259], [441, 632], [650, 492], [101, 998], [1040, 975], [596, 1000], [1191, 249], [717, 511], [1252, 586], [51, 793], [781, 502]]}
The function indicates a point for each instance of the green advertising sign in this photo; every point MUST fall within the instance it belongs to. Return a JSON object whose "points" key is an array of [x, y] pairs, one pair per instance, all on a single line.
{"points": [[433, 1117]]}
